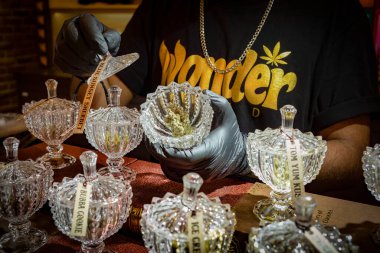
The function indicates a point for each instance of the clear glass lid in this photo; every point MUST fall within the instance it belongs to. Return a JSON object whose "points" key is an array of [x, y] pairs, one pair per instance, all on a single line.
{"points": [[105, 189], [274, 140], [52, 103], [114, 113]]}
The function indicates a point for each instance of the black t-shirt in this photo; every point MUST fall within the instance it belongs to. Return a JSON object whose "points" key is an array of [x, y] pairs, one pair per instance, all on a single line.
{"points": [[317, 55]]}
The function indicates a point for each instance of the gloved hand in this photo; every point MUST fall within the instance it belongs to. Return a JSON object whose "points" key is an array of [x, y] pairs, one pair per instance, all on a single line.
{"points": [[81, 41], [221, 154]]}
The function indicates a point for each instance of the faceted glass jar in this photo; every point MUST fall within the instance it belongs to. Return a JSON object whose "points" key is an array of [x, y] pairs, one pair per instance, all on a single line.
{"points": [[52, 120], [177, 115], [114, 131], [289, 235], [109, 204], [24, 187], [267, 157], [371, 168], [164, 222]]}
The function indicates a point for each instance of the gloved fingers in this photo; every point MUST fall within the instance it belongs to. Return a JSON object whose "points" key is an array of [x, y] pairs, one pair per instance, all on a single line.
{"points": [[76, 41], [216, 99], [174, 157], [113, 39], [222, 108], [92, 30], [73, 58]]}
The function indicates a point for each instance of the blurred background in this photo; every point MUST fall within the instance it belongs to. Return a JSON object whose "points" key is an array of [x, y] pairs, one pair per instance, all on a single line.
{"points": [[28, 29]]}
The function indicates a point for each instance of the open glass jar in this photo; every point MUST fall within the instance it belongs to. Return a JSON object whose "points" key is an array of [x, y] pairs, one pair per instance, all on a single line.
{"points": [[177, 115]]}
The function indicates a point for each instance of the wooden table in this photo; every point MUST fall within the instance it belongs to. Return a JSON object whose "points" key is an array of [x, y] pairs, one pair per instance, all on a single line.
{"points": [[150, 182]]}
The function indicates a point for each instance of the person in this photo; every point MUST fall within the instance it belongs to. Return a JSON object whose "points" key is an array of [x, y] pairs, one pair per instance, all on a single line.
{"points": [[254, 57]]}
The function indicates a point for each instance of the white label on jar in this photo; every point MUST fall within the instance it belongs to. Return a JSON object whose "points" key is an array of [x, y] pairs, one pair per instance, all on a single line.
{"points": [[195, 228], [319, 241], [295, 166], [80, 213]]}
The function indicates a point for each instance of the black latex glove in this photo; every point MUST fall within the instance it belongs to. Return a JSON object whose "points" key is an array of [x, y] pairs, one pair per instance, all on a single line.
{"points": [[81, 41], [221, 154]]}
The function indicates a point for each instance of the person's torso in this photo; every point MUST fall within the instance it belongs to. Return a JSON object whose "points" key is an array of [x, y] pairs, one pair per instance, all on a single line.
{"points": [[278, 69]]}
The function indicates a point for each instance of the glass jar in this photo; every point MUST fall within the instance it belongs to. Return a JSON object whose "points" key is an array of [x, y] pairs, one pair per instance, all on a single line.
{"points": [[52, 120], [177, 115], [24, 187], [268, 158], [187, 222], [100, 209], [114, 131]]}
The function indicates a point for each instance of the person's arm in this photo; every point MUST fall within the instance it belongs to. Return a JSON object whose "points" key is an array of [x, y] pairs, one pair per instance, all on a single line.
{"points": [[99, 99], [346, 142]]}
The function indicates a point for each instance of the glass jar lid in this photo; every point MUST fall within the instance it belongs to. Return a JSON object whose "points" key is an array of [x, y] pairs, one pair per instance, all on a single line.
{"points": [[52, 103], [16, 171], [274, 140], [114, 113], [105, 189]]}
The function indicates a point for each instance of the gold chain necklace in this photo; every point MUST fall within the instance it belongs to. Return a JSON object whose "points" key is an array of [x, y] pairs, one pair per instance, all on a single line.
{"points": [[244, 54]]}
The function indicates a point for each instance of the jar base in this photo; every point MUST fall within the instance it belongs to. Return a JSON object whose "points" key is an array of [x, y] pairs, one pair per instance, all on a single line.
{"points": [[29, 242], [266, 211], [56, 163]]}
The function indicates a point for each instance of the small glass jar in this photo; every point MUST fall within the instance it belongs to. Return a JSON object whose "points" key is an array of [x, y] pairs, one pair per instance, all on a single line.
{"points": [[24, 187], [109, 201], [114, 131], [177, 115], [268, 159], [169, 224], [52, 120], [289, 235]]}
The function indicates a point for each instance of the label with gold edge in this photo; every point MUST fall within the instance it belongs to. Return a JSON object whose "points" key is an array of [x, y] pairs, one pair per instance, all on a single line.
{"points": [[319, 241], [295, 166], [195, 228], [80, 213], [87, 101]]}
